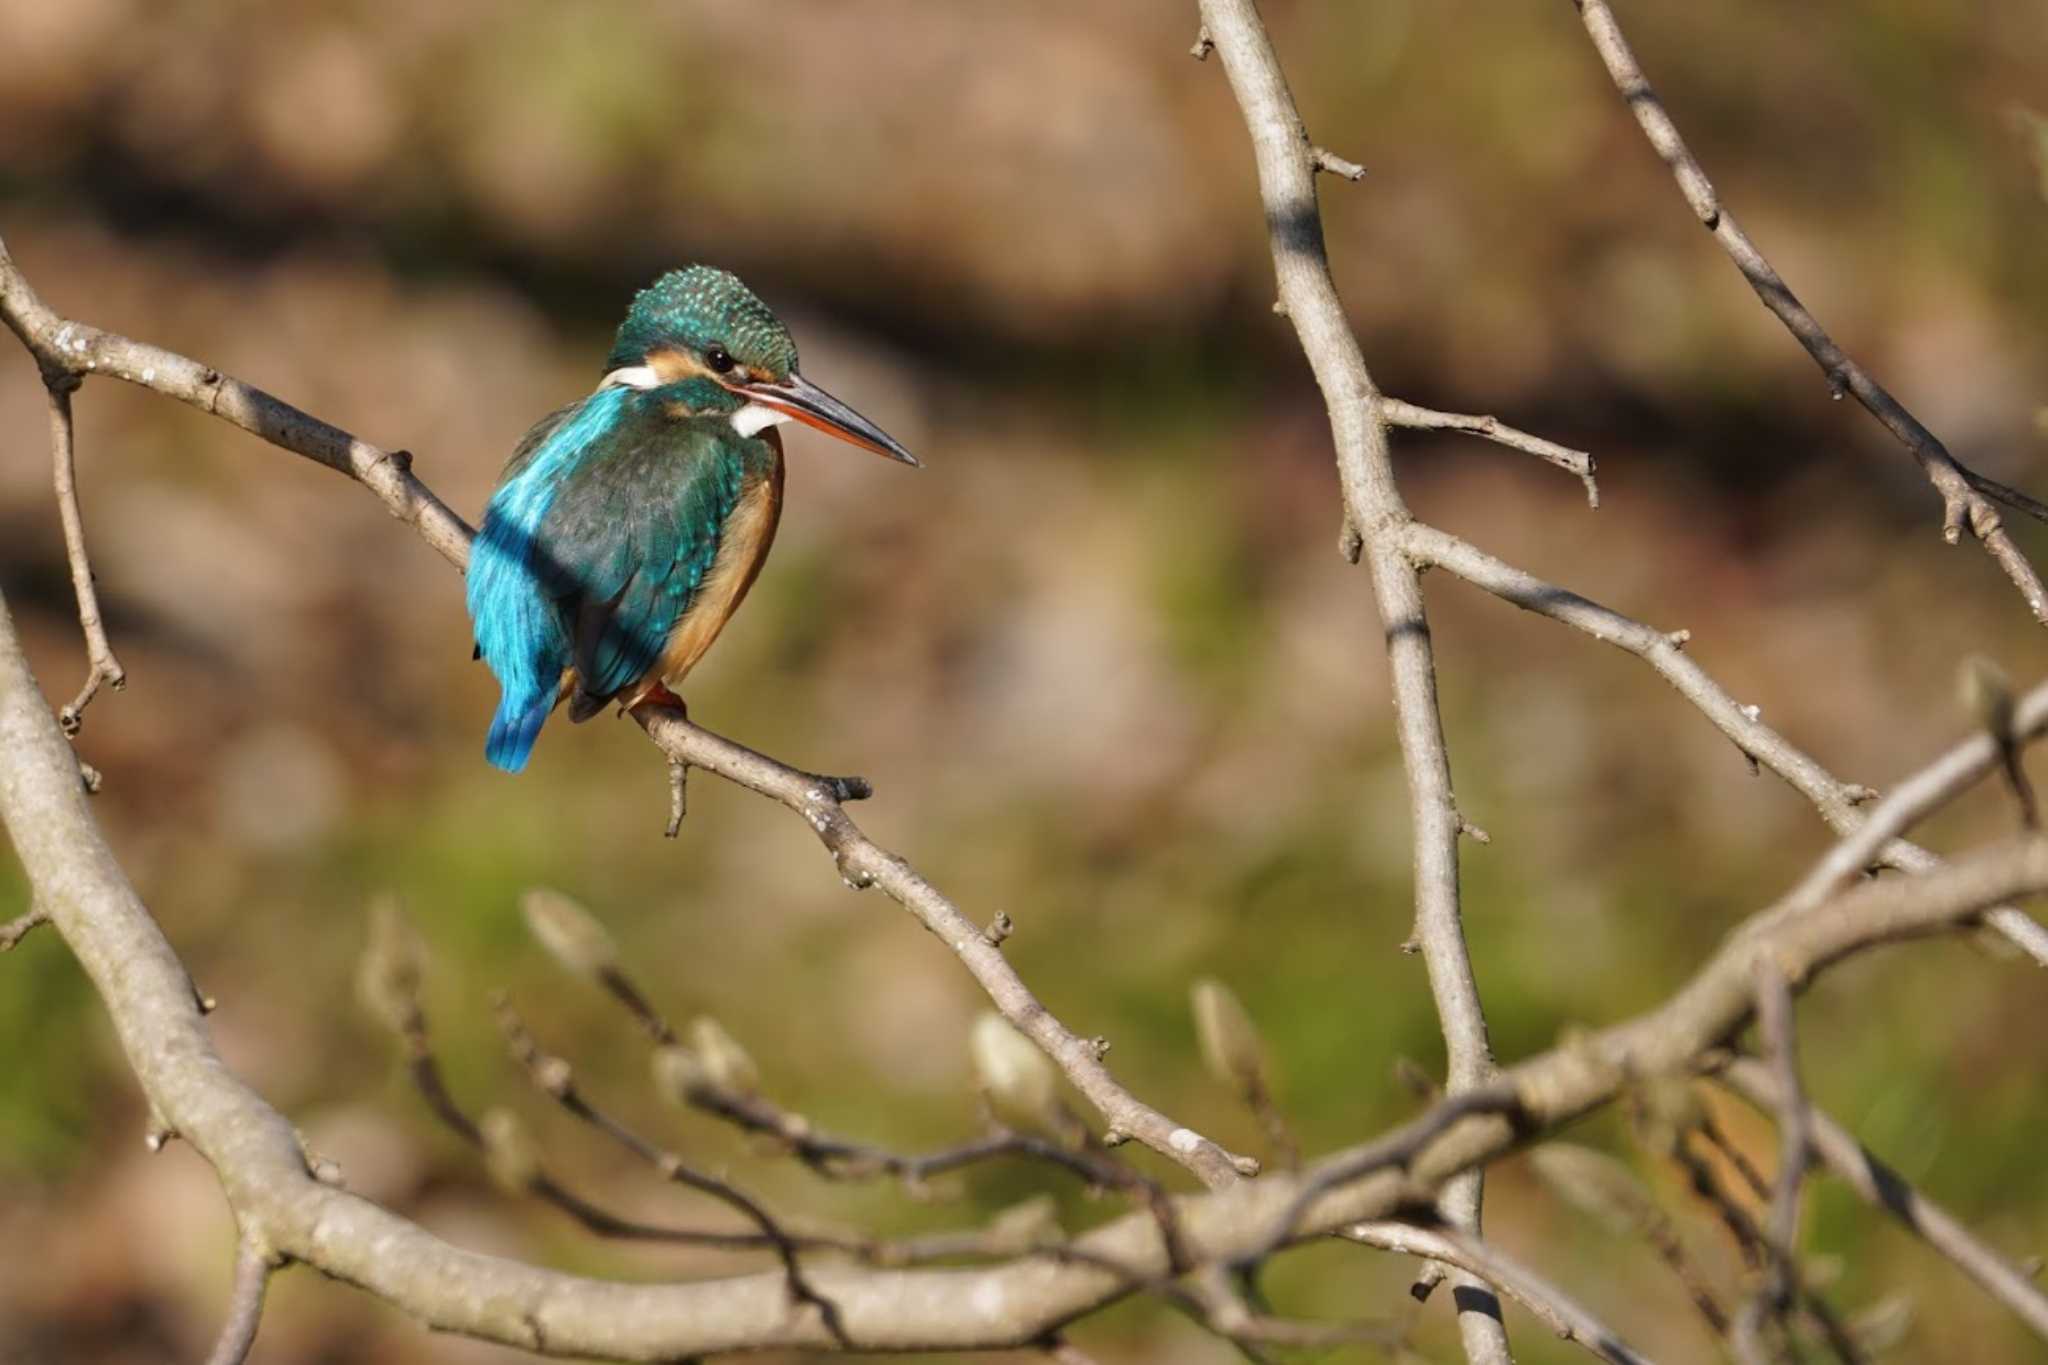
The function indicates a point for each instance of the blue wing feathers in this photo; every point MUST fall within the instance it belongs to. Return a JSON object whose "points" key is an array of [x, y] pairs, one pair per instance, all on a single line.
{"points": [[606, 524]]}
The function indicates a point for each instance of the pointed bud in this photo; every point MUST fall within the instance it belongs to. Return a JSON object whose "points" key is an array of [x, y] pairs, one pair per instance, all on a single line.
{"points": [[571, 935], [1881, 1327], [1986, 692], [1022, 1087], [1597, 1184], [1230, 1041], [679, 1076], [510, 1154], [392, 966], [726, 1064]]}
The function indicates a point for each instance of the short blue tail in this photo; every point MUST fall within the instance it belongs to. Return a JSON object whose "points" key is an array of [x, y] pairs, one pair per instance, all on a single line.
{"points": [[514, 729]]}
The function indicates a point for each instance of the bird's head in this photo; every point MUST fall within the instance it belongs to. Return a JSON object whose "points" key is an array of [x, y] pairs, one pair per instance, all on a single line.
{"points": [[701, 337]]}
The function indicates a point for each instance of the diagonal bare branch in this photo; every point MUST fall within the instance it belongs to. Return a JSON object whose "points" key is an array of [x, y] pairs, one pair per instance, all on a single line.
{"points": [[1884, 1188], [1558, 1311], [1966, 496], [1868, 840]]}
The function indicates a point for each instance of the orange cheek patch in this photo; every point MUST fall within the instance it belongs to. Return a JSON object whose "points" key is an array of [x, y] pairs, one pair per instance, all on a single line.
{"points": [[671, 365]]}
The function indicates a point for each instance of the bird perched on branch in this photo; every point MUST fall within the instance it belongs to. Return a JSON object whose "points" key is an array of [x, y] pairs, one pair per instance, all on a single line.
{"points": [[628, 526]]}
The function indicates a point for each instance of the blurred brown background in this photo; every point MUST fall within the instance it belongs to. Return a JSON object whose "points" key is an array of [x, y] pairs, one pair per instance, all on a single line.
{"points": [[1099, 657]]}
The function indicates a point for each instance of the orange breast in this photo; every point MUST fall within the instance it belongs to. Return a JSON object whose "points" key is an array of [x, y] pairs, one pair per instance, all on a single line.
{"points": [[742, 547]]}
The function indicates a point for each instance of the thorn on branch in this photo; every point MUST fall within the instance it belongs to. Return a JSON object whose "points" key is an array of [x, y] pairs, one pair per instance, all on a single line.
{"points": [[1678, 639], [999, 929], [1326, 160], [1473, 832], [1204, 44]]}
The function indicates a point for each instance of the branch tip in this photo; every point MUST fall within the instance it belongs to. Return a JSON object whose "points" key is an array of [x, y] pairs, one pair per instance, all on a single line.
{"points": [[1328, 161]]}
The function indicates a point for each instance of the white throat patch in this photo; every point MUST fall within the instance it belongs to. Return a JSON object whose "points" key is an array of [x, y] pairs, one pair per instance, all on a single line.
{"points": [[755, 418], [632, 377]]}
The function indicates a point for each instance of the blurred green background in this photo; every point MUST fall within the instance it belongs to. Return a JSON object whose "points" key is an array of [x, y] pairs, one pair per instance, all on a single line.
{"points": [[1099, 658]]}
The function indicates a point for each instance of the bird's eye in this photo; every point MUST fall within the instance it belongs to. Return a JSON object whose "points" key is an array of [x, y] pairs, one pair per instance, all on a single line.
{"points": [[718, 358]]}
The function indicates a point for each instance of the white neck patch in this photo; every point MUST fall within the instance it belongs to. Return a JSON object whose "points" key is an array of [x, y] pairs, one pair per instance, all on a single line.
{"points": [[632, 377], [755, 418]]}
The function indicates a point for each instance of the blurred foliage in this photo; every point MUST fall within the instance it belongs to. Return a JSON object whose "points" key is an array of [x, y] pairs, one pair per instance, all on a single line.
{"points": [[1099, 658]]}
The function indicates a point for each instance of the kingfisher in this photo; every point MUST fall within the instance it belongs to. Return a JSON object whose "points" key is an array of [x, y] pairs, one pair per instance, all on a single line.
{"points": [[629, 524]]}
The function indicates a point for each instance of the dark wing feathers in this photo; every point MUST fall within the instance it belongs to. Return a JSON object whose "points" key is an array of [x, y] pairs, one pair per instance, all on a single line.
{"points": [[633, 536]]}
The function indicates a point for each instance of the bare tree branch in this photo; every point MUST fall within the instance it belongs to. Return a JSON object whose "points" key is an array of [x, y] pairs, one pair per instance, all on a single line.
{"points": [[1558, 1311], [1374, 514], [1837, 801], [1781, 1240], [1398, 413], [101, 665], [1884, 1188], [245, 1306], [1966, 495]]}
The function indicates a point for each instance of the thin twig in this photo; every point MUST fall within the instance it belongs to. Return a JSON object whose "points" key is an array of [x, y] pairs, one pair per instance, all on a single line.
{"points": [[1562, 1314], [21, 926], [245, 1306], [1373, 507], [101, 665], [1745, 1337], [1575, 462], [1966, 495], [553, 1077], [1775, 1023], [1868, 840], [1884, 1188], [1329, 161]]}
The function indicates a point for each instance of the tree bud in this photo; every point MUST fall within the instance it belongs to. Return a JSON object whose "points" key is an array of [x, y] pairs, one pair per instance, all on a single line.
{"points": [[571, 935]]}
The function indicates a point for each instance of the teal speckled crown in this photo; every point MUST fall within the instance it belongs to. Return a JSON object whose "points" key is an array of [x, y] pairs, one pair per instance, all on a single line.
{"points": [[696, 307]]}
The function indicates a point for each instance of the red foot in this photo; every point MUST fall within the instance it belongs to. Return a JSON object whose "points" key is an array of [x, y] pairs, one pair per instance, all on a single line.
{"points": [[659, 695]]}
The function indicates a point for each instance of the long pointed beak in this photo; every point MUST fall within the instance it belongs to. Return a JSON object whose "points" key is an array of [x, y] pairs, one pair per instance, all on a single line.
{"points": [[812, 406]]}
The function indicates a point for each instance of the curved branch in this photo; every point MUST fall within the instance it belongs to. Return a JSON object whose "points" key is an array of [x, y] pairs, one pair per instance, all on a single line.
{"points": [[1966, 495]]}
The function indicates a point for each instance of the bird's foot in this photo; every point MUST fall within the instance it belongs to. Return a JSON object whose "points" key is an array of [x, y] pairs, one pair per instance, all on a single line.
{"points": [[659, 695]]}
